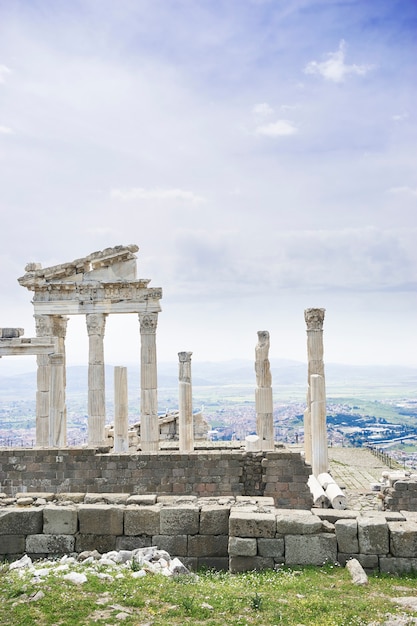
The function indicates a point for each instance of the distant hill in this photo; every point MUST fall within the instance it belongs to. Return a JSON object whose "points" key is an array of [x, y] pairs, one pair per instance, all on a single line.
{"points": [[218, 374]]}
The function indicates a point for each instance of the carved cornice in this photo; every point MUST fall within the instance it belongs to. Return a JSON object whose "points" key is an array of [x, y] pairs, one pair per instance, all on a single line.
{"points": [[129, 291], [314, 318], [36, 276]]}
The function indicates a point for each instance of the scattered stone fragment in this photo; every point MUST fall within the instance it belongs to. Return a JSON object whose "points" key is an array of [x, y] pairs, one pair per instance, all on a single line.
{"points": [[36, 596], [408, 602], [357, 572], [26, 501], [25, 561], [76, 578], [207, 606]]}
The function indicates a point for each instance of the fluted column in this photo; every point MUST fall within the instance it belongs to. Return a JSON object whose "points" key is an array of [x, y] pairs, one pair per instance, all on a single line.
{"points": [[121, 437], [149, 425], [263, 393], [96, 378], [57, 414], [314, 319], [58, 385], [185, 403], [43, 329]]}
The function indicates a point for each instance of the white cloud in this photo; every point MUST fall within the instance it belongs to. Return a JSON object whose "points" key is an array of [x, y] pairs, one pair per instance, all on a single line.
{"points": [[263, 109], [4, 71], [335, 68], [139, 193], [400, 117], [5, 130], [280, 128], [404, 190]]}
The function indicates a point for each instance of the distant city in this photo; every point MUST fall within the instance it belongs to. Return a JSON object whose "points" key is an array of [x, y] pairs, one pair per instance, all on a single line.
{"points": [[365, 406]]}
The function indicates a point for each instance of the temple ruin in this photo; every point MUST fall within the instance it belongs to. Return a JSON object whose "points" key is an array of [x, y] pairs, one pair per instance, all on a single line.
{"points": [[220, 508], [98, 285]]}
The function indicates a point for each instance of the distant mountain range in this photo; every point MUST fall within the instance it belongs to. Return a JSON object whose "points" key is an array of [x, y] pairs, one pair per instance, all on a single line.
{"points": [[220, 374]]}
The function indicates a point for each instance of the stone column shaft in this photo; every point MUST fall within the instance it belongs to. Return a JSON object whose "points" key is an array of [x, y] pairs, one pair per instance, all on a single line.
{"points": [[149, 424], [314, 320], [186, 424], [319, 460], [121, 427], [48, 326], [57, 414], [263, 393], [96, 379]]}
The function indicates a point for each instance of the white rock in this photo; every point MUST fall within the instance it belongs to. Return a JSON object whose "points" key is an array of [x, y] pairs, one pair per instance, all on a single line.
{"points": [[106, 561], [37, 596], [25, 561], [45, 571], [139, 574], [61, 568], [76, 578]]}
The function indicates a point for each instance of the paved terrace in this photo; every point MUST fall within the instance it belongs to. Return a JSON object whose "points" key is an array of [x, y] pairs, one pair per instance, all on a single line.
{"points": [[354, 469]]}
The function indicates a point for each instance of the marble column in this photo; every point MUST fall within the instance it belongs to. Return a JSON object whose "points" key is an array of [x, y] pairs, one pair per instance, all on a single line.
{"points": [[57, 414], [314, 319], [49, 326], [263, 393], [319, 452], [59, 330], [121, 437], [149, 424], [43, 376], [96, 323], [185, 403]]}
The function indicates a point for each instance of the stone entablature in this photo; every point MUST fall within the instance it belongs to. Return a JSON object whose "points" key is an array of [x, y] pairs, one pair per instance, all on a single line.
{"points": [[28, 346], [102, 282]]}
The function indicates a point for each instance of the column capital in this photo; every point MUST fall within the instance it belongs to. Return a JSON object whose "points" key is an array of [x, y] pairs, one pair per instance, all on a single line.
{"points": [[59, 326], [184, 357], [96, 323], [43, 324], [148, 323], [56, 359], [314, 318]]}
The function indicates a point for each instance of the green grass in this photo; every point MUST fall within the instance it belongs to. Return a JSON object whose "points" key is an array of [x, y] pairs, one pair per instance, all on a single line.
{"points": [[310, 596]]}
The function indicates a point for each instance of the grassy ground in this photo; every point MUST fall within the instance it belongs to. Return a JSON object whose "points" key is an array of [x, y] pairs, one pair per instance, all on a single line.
{"points": [[309, 596]]}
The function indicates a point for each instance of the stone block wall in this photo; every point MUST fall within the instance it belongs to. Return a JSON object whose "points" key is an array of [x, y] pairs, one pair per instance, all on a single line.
{"points": [[238, 534], [281, 474], [401, 495]]}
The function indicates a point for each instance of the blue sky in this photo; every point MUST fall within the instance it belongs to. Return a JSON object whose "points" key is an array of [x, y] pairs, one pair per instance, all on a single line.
{"points": [[261, 153]]}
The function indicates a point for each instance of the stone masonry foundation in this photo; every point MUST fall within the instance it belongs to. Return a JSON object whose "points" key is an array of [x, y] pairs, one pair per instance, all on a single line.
{"points": [[226, 533]]}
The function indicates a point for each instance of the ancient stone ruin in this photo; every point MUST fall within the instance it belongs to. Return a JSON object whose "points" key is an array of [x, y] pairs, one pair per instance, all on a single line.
{"points": [[246, 508], [98, 285]]}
